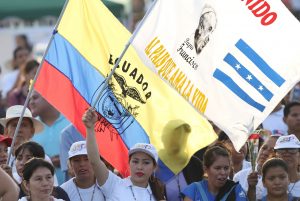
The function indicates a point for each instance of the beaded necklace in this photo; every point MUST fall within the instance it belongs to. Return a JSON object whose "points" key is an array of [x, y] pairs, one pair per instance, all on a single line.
{"points": [[178, 186], [92, 198], [290, 190], [133, 195]]}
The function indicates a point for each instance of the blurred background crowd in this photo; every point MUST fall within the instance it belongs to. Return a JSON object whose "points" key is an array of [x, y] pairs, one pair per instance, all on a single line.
{"points": [[25, 30]]}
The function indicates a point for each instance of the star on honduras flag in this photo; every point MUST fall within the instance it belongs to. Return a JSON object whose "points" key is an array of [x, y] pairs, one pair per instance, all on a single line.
{"points": [[233, 61]]}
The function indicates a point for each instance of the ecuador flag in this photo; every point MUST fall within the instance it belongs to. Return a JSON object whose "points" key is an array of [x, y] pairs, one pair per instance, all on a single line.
{"points": [[136, 106]]}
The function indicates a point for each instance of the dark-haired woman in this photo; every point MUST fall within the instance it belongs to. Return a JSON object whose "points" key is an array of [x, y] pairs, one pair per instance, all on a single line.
{"points": [[217, 186], [142, 162], [276, 181], [25, 152], [38, 180]]}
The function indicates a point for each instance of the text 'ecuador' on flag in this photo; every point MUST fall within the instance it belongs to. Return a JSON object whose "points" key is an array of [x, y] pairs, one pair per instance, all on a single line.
{"points": [[241, 57], [136, 106]]}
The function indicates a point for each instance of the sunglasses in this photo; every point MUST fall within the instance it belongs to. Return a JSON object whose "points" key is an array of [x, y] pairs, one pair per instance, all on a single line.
{"points": [[291, 151]]}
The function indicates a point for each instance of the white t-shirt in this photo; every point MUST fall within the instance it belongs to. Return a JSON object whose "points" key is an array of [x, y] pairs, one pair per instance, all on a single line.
{"points": [[116, 189], [86, 194], [25, 199], [246, 165], [275, 121], [7, 81]]}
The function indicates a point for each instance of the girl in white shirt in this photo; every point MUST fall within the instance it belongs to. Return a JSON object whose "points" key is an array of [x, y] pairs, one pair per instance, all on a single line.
{"points": [[142, 162]]}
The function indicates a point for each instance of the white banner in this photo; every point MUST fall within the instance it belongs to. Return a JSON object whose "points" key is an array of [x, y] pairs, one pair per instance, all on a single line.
{"points": [[232, 60]]}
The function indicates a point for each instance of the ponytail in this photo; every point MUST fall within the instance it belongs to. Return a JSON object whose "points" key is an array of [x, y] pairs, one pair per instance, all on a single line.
{"points": [[157, 188]]}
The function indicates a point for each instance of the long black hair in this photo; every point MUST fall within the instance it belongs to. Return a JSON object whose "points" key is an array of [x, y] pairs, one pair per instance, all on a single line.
{"points": [[33, 164], [157, 187]]}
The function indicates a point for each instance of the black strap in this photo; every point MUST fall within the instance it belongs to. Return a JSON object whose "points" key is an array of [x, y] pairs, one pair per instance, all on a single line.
{"points": [[228, 187]]}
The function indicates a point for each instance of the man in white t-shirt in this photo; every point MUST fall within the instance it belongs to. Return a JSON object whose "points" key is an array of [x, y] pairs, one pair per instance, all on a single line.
{"points": [[274, 122], [83, 186]]}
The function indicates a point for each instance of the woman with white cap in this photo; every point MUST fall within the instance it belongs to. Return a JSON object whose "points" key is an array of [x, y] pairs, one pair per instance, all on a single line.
{"points": [[287, 148], [142, 162]]}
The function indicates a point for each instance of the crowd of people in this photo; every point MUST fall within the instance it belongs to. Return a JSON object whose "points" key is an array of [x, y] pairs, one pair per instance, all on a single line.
{"points": [[50, 160], [219, 171]]}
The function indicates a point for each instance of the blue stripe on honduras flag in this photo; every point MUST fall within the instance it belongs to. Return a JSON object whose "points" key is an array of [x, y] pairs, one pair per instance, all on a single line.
{"points": [[232, 60]]}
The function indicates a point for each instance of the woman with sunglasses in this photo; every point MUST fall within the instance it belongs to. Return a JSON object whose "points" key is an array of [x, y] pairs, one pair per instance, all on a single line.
{"points": [[287, 148]]}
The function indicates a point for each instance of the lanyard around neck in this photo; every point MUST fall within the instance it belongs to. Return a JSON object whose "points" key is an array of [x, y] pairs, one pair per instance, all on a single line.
{"points": [[134, 197]]}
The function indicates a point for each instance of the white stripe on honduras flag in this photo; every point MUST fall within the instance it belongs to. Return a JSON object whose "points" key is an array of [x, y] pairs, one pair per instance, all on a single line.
{"points": [[232, 60], [248, 76]]}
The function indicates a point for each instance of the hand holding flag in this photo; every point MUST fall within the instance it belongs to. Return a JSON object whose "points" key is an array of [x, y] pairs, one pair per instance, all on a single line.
{"points": [[136, 104]]}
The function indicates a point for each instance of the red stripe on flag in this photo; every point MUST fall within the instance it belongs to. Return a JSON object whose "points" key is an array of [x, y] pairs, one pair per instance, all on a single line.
{"points": [[57, 89]]}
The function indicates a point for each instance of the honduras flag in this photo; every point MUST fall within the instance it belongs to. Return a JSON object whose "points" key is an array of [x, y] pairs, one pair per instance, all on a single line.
{"points": [[232, 60]]}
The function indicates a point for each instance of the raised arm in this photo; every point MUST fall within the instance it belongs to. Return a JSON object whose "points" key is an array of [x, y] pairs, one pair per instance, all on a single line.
{"points": [[101, 172], [252, 182], [9, 191]]}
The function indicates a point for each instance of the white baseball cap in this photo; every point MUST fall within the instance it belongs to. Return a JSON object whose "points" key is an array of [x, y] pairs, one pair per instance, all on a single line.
{"points": [[287, 142], [145, 148], [15, 112], [78, 148]]}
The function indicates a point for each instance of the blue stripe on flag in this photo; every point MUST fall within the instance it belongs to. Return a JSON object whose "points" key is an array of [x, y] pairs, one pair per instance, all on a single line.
{"points": [[259, 62], [248, 76], [163, 172], [66, 59], [228, 82]]}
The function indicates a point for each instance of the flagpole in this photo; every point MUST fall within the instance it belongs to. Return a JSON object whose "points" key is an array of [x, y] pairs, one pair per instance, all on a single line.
{"points": [[34, 81], [123, 52]]}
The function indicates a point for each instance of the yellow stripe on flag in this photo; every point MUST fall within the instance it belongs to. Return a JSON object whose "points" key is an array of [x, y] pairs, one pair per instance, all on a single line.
{"points": [[174, 127]]}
